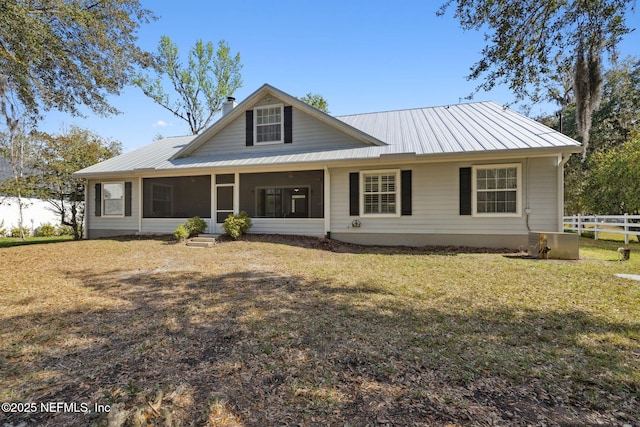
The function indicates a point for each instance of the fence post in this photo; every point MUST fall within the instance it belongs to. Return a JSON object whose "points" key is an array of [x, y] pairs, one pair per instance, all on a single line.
{"points": [[595, 225], [626, 228], [579, 224]]}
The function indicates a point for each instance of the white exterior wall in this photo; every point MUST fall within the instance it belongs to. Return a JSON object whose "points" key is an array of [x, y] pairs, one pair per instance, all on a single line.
{"points": [[295, 226], [100, 226], [307, 132], [435, 203]]}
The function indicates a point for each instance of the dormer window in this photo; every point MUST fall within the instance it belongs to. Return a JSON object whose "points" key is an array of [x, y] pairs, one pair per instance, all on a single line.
{"points": [[269, 124]]}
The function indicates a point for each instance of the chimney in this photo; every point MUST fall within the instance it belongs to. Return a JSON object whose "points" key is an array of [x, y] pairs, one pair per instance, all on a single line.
{"points": [[228, 105]]}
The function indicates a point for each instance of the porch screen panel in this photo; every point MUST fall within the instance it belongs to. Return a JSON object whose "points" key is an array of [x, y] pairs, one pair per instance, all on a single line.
{"points": [[177, 197]]}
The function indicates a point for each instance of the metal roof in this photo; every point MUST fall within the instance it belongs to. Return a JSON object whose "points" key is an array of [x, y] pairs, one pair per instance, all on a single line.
{"points": [[478, 127], [461, 128]]}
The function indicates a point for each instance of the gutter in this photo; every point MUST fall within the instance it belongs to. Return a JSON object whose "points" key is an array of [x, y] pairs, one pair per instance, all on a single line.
{"points": [[348, 162]]}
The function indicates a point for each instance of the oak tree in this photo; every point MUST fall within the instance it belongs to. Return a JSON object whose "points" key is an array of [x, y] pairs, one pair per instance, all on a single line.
{"points": [[526, 39]]}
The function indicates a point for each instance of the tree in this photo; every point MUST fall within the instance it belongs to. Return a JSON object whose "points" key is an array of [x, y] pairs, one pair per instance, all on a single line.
{"points": [[615, 123], [63, 54], [613, 187], [201, 86], [316, 101], [15, 146], [616, 119], [529, 38], [61, 156]]}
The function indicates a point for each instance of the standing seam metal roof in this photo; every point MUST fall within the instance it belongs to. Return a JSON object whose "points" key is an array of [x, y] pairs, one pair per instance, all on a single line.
{"points": [[461, 128]]}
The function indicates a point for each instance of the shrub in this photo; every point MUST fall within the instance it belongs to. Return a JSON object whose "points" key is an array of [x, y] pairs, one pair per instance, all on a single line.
{"points": [[237, 225], [15, 231], [65, 230], [47, 230], [3, 232], [181, 233], [195, 226]]}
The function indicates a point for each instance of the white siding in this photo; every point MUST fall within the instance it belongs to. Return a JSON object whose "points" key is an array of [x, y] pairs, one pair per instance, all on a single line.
{"points": [[297, 226], [309, 134], [127, 224], [435, 197], [543, 197]]}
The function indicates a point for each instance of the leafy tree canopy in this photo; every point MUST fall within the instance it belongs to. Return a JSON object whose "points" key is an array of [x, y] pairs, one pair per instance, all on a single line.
{"points": [[201, 86], [61, 54], [59, 157], [316, 101], [530, 41], [613, 187]]}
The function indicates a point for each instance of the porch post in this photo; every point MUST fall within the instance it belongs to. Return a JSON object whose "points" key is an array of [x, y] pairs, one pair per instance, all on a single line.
{"points": [[213, 219], [236, 193], [140, 201], [327, 201]]}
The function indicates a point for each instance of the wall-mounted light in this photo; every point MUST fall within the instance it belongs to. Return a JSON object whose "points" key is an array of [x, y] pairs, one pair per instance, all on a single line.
{"points": [[356, 223]]}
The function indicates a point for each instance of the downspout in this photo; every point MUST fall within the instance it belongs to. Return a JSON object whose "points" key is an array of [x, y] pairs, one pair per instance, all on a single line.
{"points": [[562, 160], [527, 208]]}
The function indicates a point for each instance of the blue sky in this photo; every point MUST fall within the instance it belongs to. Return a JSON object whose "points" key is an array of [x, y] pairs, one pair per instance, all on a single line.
{"points": [[362, 56]]}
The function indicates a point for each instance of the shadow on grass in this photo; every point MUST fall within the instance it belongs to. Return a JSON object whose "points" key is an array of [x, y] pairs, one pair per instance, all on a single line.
{"points": [[274, 349]]}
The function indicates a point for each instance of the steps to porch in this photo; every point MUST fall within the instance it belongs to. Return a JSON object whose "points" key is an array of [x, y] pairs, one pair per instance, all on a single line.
{"points": [[203, 241]]}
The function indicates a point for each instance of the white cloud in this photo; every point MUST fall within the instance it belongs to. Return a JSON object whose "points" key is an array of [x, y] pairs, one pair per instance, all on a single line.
{"points": [[161, 124]]}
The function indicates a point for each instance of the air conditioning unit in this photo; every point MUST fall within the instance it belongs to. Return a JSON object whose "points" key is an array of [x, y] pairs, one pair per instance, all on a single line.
{"points": [[553, 245]]}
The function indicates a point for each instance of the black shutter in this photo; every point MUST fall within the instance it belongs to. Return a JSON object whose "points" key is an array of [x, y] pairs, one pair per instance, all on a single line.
{"points": [[127, 199], [465, 191], [354, 194], [288, 133], [249, 128], [98, 199], [405, 183]]}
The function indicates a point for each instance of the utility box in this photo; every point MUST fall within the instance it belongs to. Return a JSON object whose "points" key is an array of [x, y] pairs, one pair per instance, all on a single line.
{"points": [[553, 245]]}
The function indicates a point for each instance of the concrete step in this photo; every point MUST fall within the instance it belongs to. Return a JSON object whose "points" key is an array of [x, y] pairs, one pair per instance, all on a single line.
{"points": [[203, 241]]}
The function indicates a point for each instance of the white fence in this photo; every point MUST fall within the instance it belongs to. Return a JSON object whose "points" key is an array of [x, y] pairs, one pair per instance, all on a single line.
{"points": [[35, 213], [618, 224]]}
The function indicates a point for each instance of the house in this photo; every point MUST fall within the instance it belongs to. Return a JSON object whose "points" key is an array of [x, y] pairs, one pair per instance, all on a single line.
{"points": [[475, 174]]}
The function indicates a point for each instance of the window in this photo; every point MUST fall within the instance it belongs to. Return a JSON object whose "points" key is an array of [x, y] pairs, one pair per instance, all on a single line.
{"points": [[496, 190], [281, 202], [268, 124], [380, 193], [113, 199]]}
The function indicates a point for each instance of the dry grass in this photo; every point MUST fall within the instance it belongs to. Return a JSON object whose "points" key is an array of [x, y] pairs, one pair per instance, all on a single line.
{"points": [[281, 331]]}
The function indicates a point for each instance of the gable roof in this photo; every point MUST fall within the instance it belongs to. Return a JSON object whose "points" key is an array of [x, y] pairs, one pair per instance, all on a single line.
{"points": [[249, 102], [473, 128]]}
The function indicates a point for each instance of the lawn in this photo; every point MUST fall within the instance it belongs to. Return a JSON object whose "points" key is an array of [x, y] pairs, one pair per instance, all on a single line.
{"points": [[6, 242], [285, 331]]}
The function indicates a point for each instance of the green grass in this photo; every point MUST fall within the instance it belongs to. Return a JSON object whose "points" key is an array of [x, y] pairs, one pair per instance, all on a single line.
{"points": [[6, 242], [270, 330]]}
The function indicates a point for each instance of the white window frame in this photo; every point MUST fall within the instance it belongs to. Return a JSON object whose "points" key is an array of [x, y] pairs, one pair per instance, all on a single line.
{"points": [[518, 190], [102, 199], [398, 192], [256, 125]]}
